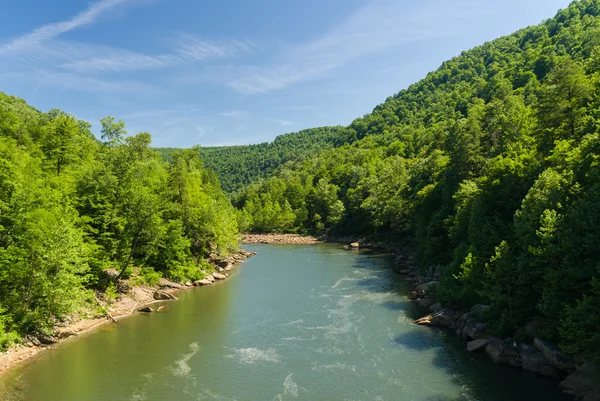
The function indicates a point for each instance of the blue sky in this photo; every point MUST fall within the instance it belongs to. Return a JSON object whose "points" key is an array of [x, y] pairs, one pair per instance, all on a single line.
{"points": [[237, 71]]}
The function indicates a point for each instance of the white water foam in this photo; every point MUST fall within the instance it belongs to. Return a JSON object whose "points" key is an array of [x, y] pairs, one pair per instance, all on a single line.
{"points": [[338, 366], [289, 386], [293, 322], [340, 281], [182, 368], [253, 355]]}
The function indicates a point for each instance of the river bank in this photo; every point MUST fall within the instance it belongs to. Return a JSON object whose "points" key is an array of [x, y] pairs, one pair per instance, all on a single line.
{"points": [[137, 299], [274, 238], [525, 350]]}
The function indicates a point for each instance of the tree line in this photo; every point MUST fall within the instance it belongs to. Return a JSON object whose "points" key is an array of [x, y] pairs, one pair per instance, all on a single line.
{"points": [[73, 206], [491, 165]]}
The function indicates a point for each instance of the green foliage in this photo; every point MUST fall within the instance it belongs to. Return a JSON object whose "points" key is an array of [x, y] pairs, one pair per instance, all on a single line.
{"points": [[238, 166], [72, 206], [491, 164]]}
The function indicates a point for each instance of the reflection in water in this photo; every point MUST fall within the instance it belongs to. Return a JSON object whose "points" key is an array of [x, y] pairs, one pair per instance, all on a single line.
{"points": [[295, 323]]}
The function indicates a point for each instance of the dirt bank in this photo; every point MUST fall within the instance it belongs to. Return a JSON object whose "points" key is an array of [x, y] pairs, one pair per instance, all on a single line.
{"points": [[279, 239], [126, 305]]}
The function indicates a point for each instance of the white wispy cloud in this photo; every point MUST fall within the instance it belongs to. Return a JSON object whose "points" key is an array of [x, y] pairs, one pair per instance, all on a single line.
{"points": [[284, 123], [379, 26], [50, 31], [188, 49], [46, 54]]}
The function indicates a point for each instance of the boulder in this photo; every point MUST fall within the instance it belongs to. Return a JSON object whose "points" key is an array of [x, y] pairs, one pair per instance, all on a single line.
{"points": [[165, 283], [550, 371], [229, 267], [554, 356], [477, 345], [188, 284], [210, 278], [584, 380], [163, 295], [46, 340], [202, 282], [425, 302], [426, 287], [112, 273], [162, 308], [444, 318], [502, 353], [354, 245], [591, 396], [219, 276], [147, 309], [462, 320], [436, 307], [531, 358], [474, 330]]}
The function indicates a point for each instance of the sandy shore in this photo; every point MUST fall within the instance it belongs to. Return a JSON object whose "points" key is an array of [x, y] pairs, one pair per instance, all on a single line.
{"points": [[125, 306], [279, 239]]}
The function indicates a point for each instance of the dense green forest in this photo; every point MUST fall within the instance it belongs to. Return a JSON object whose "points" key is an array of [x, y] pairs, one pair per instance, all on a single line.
{"points": [[238, 166], [491, 164], [72, 207]]}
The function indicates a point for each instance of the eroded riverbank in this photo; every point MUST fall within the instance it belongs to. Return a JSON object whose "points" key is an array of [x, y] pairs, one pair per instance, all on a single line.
{"points": [[296, 323], [137, 299]]}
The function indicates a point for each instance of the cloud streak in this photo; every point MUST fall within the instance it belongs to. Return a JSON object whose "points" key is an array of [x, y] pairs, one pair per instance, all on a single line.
{"points": [[50, 31], [381, 25]]}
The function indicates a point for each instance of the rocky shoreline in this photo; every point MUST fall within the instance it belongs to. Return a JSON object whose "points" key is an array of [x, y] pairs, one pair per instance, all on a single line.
{"points": [[279, 239], [136, 299], [577, 378]]}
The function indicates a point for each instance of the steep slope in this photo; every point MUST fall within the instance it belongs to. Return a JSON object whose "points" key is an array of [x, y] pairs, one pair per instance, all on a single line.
{"points": [[238, 166], [491, 164], [72, 207]]}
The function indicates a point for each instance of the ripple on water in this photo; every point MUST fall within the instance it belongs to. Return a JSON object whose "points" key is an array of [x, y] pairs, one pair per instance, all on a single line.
{"points": [[181, 366], [253, 355]]}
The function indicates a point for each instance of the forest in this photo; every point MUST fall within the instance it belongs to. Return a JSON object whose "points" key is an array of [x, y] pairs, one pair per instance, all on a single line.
{"points": [[73, 206], [489, 165], [238, 166]]}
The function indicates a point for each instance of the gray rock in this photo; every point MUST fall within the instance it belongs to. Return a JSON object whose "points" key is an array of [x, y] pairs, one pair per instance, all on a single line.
{"points": [[163, 295], [591, 396], [531, 358], [165, 283], [354, 245], [425, 302], [474, 330], [477, 345], [460, 323], [502, 353], [550, 371], [46, 340], [436, 307], [554, 356], [210, 278], [219, 276], [584, 380], [202, 282], [426, 287]]}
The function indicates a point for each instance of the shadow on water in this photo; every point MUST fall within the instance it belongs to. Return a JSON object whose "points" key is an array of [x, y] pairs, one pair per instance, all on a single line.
{"points": [[474, 373]]}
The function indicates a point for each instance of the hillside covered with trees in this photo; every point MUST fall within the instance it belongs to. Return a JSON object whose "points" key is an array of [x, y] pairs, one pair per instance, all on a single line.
{"points": [[491, 164], [238, 166], [72, 207]]}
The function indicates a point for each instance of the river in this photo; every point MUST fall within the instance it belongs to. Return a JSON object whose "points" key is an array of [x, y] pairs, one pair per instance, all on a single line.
{"points": [[297, 322]]}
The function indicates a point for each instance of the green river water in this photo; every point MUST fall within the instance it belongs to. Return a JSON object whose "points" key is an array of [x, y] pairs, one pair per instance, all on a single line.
{"points": [[297, 322]]}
